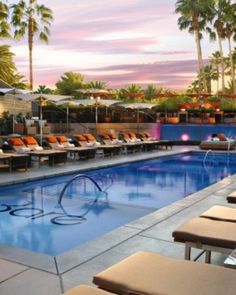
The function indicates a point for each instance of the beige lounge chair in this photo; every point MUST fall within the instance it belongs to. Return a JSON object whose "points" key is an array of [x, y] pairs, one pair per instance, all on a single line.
{"points": [[206, 234], [151, 274], [18, 145], [220, 213], [86, 290], [32, 143], [232, 197]]}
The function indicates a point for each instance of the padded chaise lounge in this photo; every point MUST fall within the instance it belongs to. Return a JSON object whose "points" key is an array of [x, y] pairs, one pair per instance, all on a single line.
{"points": [[222, 213], [151, 274], [207, 234]]}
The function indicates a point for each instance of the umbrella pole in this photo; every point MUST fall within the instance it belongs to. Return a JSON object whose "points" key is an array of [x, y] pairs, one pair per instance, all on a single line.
{"points": [[138, 120], [96, 118], [67, 119], [41, 123]]}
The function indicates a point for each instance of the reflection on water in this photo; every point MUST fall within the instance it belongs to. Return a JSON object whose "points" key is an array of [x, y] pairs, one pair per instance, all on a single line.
{"points": [[31, 217]]}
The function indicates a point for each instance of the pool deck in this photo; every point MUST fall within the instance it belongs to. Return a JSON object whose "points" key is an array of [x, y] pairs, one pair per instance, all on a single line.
{"points": [[25, 273]]}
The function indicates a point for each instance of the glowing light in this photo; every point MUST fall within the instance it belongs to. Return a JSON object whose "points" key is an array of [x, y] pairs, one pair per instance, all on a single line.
{"points": [[185, 137]]}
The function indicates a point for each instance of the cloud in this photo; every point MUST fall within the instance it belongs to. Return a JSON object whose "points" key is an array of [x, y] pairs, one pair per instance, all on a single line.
{"points": [[170, 74]]}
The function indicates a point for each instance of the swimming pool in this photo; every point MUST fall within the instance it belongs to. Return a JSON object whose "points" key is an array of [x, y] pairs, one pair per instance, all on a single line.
{"points": [[31, 217]]}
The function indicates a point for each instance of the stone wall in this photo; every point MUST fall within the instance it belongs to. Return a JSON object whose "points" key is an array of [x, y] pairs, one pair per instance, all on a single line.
{"points": [[9, 103]]}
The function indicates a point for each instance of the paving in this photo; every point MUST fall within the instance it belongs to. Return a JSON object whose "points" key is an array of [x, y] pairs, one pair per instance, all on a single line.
{"points": [[26, 273]]}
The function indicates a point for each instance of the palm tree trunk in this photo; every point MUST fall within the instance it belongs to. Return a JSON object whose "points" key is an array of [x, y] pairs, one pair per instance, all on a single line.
{"points": [[201, 73], [221, 63], [231, 65], [30, 45]]}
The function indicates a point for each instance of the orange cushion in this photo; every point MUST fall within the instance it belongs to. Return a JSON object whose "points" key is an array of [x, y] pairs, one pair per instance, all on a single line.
{"points": [[112, 136], [29, 140], [222, 137], [62, 139], [52, 139], [125, 135], [16, 142], [132, 135], [89, 137], [105, 136], [80, 138]]}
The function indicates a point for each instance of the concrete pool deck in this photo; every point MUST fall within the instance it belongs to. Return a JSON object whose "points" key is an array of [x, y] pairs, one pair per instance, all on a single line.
{"points": [[25, 272]]}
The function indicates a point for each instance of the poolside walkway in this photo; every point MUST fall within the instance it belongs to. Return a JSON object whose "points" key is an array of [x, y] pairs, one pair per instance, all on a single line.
{"points": [[25, 273]]}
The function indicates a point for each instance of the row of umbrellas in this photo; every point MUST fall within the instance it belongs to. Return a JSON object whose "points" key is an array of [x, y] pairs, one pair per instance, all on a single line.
{"points": [[68, 101]]}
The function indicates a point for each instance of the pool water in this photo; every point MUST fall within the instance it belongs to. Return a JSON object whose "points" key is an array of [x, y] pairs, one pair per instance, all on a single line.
{"points": [[31, 218]]}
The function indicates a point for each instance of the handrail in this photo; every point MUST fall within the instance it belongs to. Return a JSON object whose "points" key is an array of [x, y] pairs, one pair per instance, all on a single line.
{"points": [[74, 178], [208, 151]]}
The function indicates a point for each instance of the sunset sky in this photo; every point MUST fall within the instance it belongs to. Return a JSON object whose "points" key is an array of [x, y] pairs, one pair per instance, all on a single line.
{"points": [[119, 42]]}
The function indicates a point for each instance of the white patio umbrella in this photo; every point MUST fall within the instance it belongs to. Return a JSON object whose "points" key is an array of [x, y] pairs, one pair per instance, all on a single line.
{"points": [[39, 98], [137, 106], [96, 102]]}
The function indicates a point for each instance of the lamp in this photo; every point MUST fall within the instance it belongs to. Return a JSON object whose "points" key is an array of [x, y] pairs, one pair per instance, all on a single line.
{"points": [[182, 109], [217, 110]]}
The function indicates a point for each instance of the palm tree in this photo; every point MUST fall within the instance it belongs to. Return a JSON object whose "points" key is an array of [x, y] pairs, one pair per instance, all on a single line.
{"points": [[69, 83], [132, 92], [230, 33], [217, 17], [4, 25], [97, 85], [151, 92], [44, 89], [7, 65], [30, 20], [215, 61], [194, 17]]}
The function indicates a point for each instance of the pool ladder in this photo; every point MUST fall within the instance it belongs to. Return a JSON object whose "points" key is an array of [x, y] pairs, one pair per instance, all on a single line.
{"points": [[74, 178], [207, 153]]}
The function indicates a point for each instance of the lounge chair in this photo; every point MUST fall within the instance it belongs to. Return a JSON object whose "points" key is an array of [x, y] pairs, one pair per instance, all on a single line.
{"points": [[86, 290], [206, 234], [53, 142], [32, 143], [222, 213], [62, 140], [132, 143], [151, 274], [232, 197], [18, 145], [218, 142]]}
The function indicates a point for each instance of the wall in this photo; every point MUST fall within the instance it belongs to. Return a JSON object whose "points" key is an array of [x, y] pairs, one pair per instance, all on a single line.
{"points": [[13, 105], [188, 132]]}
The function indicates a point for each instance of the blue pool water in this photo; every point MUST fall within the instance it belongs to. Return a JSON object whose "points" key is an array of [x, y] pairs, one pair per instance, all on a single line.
{"points": [[31, 218]]}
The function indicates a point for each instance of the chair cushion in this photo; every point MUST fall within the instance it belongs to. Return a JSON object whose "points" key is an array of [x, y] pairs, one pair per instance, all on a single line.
{"points": [[220, 213], [16, 142], [29, 140], [80, 138], [112, 136], [89, 137], [62, 139], [105, 136], [86, 290], [222, 137], [149, 273], [51, 139], [207, 231]]}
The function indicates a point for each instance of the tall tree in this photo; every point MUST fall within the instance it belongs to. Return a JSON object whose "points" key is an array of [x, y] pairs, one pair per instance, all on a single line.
{"points": [[215, 61], [31, 19], [96, 84], [69, 83], [4, 25], [194, 17], [7, 65], [218, 32], [230, 33]]}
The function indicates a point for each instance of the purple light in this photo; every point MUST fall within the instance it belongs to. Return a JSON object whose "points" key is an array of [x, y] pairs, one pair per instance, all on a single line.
{"points": [[185, 137]]}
